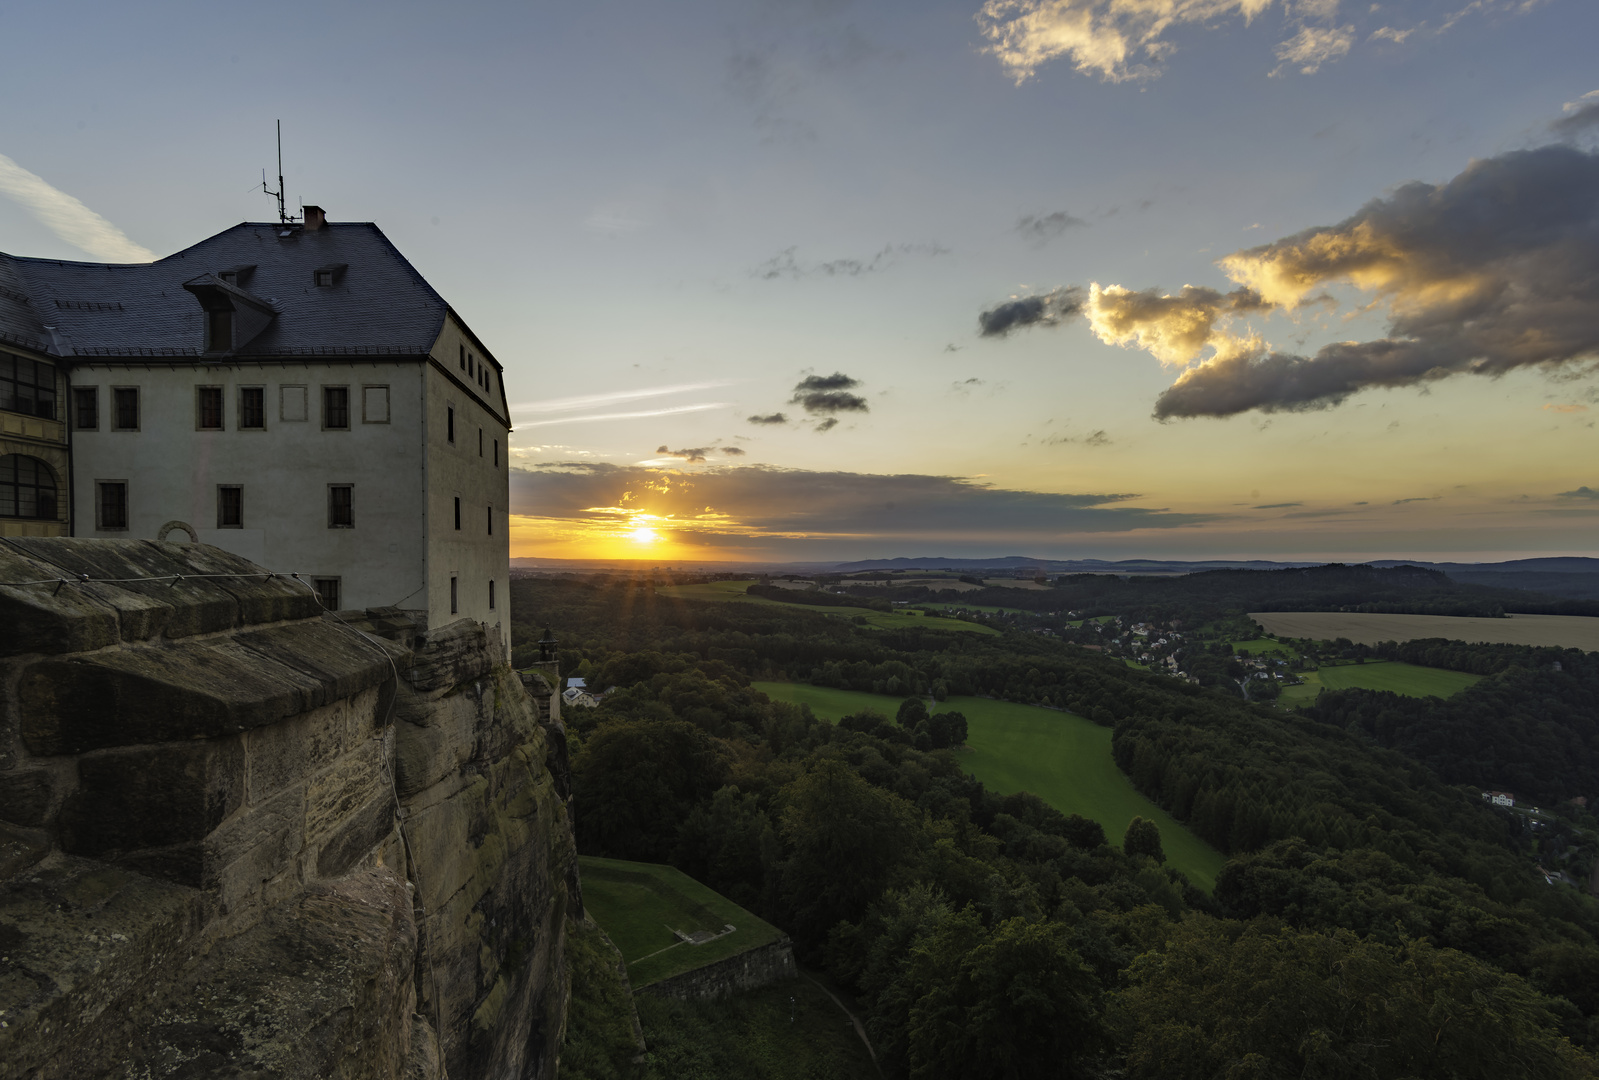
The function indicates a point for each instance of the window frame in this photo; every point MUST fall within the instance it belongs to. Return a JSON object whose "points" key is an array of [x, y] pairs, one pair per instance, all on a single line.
{"points": [[455, 595], [491, 594], [458, 513], [241, 425], [12, 363], [93, 393], [41, 469], [337, 581], [222, 522], [199, 408], [349, 507], [328, 388], [388, 403], [116, 408], [305, 402], [100, 505], [449, 424]]}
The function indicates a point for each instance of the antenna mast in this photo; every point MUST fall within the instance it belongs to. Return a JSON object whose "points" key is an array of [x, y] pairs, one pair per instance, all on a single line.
{"points": [[283, 215]]}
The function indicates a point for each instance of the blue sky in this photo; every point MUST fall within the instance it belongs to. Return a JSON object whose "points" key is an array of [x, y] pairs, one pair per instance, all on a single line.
{"points": [[685, 210]]}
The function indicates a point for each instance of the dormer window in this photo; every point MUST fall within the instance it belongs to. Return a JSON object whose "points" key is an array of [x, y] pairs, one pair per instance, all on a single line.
{"points": [[218, 331], [324, 278], [329, 275], [237, 276]]}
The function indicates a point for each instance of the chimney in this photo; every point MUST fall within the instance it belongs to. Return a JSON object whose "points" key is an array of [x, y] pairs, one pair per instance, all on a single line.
{"points": [[315, 218]]}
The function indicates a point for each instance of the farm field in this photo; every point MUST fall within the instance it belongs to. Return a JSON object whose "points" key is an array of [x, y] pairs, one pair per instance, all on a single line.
{"points": [[1564, 631], [639, 905], [1058, 756], [883, 620], [1397, 676]]}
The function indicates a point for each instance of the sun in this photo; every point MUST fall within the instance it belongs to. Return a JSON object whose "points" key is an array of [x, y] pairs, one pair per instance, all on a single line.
{"points": [[643, 535]]}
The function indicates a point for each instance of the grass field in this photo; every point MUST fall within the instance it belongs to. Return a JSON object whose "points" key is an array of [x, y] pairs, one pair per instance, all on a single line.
{"points": [[1062, 758], [639, 905], [1395, 675], [882, 620], [1264, 647], [1564, 631]]}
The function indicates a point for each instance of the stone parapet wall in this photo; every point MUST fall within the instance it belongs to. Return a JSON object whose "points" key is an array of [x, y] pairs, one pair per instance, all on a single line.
{"points": [[212, 792], [752, 969]]}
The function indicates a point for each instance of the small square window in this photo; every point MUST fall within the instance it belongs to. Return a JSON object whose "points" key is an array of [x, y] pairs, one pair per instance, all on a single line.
{"points": [[341, 508], [291, 403], [125, 402], [374, 404], [208, 408], [230, 506], [324, 279], [327, 591], [111, 505], [252, 408], [86, 408], [335, 408]]}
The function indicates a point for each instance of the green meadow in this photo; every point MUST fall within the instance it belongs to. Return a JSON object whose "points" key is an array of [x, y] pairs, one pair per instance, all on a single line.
{"points": [[639, 905], [1060, 757], [1397, 676], [1265, 647], [882, 620]]}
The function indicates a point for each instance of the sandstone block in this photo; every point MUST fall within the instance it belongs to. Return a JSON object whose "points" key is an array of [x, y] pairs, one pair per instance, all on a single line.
{"points": [[25, 796], [152, 798], [357, 836]]}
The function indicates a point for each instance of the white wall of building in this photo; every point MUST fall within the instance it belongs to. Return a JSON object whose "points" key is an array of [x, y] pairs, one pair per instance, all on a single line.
{"points": [[173, 469]]}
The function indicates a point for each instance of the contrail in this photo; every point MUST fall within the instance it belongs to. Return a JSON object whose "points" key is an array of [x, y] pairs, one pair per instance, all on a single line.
{"points": [[631, 415], [615, 397], [68, 218]]}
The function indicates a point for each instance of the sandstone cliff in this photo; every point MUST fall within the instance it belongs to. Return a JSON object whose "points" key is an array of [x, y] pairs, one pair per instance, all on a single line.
{"points": [[243, 837]]}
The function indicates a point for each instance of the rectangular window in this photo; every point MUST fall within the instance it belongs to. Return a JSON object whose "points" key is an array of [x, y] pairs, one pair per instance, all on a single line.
{"points": [[291, 403], [27, 386], [491, 520], [471, 366], [479, 442], [458, 513], [111, 505], [86, 408], [327, 590], [491, 594], [455, 605], [230, 506], [125, 400], [463, 356], [449, 422], [252, 408], [208, 408], [341, 510], [335, 408], [496, 453], [374, 404]]}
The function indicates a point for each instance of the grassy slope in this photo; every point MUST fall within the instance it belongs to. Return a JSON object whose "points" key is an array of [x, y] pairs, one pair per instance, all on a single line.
{"points": [[640, 904], [1395, 675], [1060, 757], [883, 620]]}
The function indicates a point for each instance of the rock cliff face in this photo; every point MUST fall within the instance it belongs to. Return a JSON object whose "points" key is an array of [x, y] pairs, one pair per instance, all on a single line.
{"points": [[243, 837]]}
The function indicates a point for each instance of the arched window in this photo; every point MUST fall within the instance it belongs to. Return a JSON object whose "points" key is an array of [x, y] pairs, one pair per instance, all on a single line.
{"points": [[27, 488]]}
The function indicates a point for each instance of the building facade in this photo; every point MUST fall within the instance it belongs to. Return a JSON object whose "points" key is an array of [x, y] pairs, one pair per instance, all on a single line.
{"points": [[296, 394]]}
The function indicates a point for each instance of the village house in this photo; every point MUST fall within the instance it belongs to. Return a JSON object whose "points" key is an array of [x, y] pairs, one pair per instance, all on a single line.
{"points": [[295, 393]]}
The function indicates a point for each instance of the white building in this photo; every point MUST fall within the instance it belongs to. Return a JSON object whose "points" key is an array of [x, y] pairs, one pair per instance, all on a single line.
{"points": [[296, 394]]}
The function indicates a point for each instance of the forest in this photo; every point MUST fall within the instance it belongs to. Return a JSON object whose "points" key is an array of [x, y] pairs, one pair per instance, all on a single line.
{"points": [[1375, 917]]}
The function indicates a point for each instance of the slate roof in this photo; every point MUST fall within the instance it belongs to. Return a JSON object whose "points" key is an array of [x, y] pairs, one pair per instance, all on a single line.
{"points": [[378, 304]]}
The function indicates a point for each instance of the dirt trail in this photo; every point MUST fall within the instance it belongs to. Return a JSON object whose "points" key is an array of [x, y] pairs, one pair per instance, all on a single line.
{"points": [[860, 1029]]}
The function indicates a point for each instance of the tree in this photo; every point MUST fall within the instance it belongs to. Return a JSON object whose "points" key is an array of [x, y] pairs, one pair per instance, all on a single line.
{"points": [[636, 780], [1143, 838], [912, 711]]}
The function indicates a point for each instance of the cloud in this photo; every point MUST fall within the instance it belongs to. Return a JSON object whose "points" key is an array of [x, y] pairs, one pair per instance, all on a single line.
{"points": [[1494, 270], [1581, 115], [1040, 229], [1277, 506], [1584, 492], [1419, 498], [774, 418], [670, 411], [1565, 408], [691, 455], [614, 397], [1312, 47], [761, 500], [1050, 309], [785, 265], [828, 394], [732, 451], [68, 218], [826, 425]]}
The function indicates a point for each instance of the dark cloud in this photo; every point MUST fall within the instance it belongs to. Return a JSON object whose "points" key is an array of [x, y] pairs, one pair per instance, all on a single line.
{"points": [[826, 425], [1584, 492], [766, 500], [1277, 506], [774, 418], [836, 381], [1040, 229], [1096, 438], [692, 454], [828, 395], [732, 451], [785, 264], [1049, 309], [1418, 498], [1496, 269]]}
